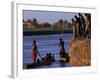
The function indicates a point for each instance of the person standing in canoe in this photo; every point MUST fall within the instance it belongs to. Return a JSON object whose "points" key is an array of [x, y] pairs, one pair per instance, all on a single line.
{"points": [[34, 51]]}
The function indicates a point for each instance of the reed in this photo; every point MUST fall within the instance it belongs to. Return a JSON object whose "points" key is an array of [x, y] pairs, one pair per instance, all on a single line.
{"points": [[80, 52]]}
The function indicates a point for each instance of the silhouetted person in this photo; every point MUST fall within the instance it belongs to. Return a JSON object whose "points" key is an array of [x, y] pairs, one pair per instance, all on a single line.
{"points": [[34, 51], [74, 28], [88, 25], [62, 50], [83, 24], [79, 28]]}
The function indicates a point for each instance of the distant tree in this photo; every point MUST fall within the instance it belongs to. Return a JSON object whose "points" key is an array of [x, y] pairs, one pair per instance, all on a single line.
{"points": [[61, 21], [55, 26], [65, 24], [61, 25], [69, 25], [23, 21], [66, 21], [35, 23], [28, 20], [34, 20], [48, 25]]}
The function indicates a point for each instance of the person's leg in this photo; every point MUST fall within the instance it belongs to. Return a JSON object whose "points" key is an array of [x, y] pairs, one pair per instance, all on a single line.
{"points": [[83, 30], [77, 31], [35, 56], [34, 61], [80, 30], [86, 34], [90, 33]]}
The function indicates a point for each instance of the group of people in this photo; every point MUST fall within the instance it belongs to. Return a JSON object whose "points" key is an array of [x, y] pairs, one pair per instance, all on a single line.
{"points": [[49, 57], [81, 25]]}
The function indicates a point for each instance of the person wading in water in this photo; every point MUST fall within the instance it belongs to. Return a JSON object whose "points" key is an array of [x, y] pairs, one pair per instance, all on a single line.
{"points": [[34, 52]]}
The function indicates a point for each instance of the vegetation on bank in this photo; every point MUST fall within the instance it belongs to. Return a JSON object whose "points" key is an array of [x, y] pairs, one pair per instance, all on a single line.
{"points": [[34, 25], [80, 52]]}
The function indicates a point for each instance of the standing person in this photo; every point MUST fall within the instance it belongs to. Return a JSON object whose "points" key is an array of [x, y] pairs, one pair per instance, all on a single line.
{"points": [[79, 28], [62, 50], [34, 52], [88, 25], [83, 23], [74, 28]]}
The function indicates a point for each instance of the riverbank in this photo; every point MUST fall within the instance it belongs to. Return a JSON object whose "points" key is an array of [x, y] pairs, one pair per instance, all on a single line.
{"points": [[80, 52], [30, 33]]}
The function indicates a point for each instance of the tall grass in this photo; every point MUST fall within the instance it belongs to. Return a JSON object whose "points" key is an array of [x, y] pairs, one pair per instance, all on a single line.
{"points": [[80, 52]]}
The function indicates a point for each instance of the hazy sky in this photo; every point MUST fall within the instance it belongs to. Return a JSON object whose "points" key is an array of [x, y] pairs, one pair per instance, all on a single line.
{"points": [[47, 16]]}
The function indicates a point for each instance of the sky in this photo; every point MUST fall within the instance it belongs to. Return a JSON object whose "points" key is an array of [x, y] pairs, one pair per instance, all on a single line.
{"points": [[47, 16]]}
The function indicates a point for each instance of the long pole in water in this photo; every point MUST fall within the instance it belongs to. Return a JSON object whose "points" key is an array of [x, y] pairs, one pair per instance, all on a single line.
{"points": [[39, 54]]}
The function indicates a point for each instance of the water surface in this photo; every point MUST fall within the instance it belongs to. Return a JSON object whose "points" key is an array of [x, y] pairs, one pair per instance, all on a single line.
{"points": [[46, 44]]}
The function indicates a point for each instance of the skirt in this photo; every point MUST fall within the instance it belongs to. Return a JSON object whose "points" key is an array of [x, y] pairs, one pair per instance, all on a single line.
{"points": [[34, 55]]}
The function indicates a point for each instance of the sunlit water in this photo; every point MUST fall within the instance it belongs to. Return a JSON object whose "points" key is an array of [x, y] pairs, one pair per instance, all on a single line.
{"points": [[46, 44]]}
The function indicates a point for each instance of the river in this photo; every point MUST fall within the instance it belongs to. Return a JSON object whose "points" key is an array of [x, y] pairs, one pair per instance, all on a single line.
{"points": [[46, 44]]}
